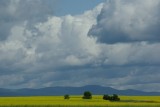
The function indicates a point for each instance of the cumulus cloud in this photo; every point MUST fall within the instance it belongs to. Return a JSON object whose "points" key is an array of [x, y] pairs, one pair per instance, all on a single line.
{"points": [[15, 12], [128, 21], [38, 49], [57, 44], [143, 53]]}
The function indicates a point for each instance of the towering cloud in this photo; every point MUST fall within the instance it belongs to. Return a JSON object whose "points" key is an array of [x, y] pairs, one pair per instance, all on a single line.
{"points": [[39, 42], [38, 49], [128, 21]]}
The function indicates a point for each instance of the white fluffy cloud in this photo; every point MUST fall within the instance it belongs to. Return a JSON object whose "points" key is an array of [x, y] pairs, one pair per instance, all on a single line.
{"points": [[56, 51], [48, 46], [141, 53]]}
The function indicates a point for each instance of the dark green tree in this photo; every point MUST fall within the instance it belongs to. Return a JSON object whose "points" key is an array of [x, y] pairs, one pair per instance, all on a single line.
{"points": [[114, 97], [66, 96], [87, 95], [106, 97]]}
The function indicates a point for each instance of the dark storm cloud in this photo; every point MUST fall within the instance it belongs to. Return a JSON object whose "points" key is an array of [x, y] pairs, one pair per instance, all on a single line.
{"points": [[124, 21], [4, 19]]}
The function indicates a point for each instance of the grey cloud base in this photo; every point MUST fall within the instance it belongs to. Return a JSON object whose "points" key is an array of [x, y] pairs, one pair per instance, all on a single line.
{"points": [[57, 51], [125, 21]]}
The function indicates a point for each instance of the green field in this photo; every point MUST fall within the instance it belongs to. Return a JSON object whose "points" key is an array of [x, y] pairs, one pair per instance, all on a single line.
{"points": [[77, 101]]}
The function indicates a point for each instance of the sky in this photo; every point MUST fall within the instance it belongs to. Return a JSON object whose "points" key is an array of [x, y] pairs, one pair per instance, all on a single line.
{"points": [[74, 7], [48, 43]]}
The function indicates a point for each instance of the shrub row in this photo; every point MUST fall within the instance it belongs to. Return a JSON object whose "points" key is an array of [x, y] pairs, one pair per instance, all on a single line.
{"points": [[88, 95]]}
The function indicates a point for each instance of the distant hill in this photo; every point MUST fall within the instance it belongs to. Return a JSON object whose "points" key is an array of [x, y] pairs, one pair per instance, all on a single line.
{"points": [[56, 91]]}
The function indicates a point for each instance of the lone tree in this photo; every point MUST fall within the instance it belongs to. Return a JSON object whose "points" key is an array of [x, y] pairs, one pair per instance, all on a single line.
{"points": [[66, 96], [87, 95]]}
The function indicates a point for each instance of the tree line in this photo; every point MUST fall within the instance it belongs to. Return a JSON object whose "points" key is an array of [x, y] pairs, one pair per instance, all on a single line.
{"points": [[88, 95]]}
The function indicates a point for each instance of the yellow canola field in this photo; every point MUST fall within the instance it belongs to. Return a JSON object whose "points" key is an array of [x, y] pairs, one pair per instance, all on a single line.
{"points": [[148, 101]]}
